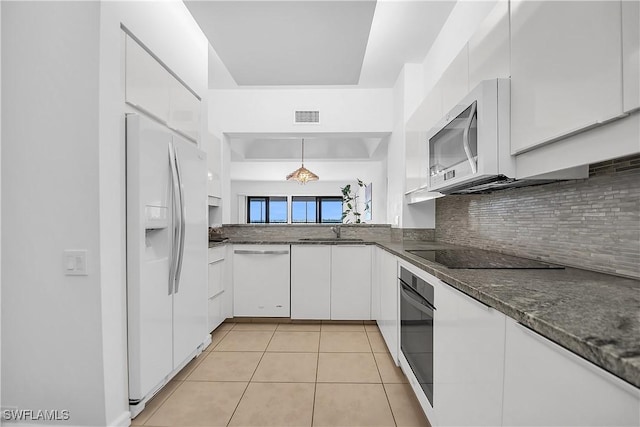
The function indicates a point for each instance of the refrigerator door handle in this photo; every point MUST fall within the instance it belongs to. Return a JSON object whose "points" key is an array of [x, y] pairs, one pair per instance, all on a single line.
{"points": [[174, 220], [182, 209]]}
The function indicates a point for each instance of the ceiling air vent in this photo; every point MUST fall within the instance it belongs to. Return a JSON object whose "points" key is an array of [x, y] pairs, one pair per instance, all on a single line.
{"points": [[307, 117]]}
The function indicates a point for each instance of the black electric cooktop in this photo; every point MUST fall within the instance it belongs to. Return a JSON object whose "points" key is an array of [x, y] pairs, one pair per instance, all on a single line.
{"points": [[479, 258]]}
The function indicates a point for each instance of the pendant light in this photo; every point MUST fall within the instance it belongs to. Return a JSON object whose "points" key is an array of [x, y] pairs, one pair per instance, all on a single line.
{"points": [[302, 174]]}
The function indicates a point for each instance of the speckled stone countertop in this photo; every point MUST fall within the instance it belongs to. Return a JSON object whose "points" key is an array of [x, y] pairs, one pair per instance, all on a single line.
{"points": [[595, 315]]}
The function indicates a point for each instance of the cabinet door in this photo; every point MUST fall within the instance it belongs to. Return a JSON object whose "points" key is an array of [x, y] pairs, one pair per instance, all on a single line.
{"points": [[216, 316], [146, 81], [310, 282], [489, 47], [388, 323], [376, 281], [546, 385], [351, 282], [216, 270], [566, 72], [184, 109], [213, 146], [468, 359], [455, 81], [631, 54], [261, 280]]}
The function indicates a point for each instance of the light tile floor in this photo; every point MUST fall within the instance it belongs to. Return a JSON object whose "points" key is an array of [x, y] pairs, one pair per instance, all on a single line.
{"points": [[289, 374]]}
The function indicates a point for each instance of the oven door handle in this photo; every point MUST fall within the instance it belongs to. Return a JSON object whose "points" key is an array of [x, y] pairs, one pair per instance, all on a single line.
{"points": [[420, 303]]}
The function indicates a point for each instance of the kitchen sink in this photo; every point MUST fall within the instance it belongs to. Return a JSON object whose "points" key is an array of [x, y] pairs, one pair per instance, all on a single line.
{"points": [[329, 239]]}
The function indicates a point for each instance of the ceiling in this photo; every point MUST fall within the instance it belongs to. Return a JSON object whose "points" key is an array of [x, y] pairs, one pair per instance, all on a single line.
{"points": [[360, 43], [313, 43]]}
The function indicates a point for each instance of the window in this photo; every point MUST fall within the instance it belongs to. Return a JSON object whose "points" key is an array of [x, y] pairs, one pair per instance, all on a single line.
{"points": [[262, 210], [303, 209], [330, 209], [312, 209]]}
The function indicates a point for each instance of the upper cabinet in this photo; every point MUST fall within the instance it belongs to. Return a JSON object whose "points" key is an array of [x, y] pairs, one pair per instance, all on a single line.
{"points": [[566, 71], [631, 55], [146, 85], [454, 82], [489, 47], [213, 147], [151, 88]]}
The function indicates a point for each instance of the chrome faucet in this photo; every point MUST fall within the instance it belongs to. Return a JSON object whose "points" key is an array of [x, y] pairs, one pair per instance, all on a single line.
{"points": [[336, 229]]}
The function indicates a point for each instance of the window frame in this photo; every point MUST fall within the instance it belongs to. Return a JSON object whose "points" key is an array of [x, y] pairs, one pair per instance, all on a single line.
{"points": [[267, 200]]}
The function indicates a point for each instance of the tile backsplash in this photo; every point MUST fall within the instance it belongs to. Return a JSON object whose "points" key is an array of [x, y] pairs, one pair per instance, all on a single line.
{"points": [[592, 223], [275, 232]]}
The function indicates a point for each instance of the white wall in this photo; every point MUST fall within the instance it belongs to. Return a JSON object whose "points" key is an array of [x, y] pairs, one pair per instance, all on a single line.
{"points": [[52, 338], [268, 178], [64, 156], [272, 110]]}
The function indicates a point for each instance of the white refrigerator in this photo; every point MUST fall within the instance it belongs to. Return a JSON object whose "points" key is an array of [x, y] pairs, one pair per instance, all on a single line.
{"points": [[166, 255]]}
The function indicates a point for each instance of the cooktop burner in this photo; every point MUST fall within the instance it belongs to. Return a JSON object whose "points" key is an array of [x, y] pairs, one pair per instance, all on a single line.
{"points": [[478, 259]]}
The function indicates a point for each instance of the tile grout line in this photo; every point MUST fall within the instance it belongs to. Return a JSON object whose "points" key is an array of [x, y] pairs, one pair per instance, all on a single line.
{"points": [[252, 375], [381, 381], [315, 384], [185, 379]]}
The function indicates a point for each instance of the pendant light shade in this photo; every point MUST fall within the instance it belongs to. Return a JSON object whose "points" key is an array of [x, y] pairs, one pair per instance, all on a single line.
{"points": [[302, 174]]}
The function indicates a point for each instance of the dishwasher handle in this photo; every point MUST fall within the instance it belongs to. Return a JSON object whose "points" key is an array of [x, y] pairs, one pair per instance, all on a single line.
{"points": [[255, 252]]}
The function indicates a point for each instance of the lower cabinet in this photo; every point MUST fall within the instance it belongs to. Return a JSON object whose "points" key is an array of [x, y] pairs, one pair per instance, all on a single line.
{"points": [[351, 282], [310, 282], [217, 289], [386, 270], [547, 385], [261, 280], [331, 282], [468, 359]]}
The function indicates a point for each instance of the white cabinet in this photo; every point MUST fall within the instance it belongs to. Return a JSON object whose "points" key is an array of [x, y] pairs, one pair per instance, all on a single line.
{"points": [[376, 282], [546, 385], [150, 87], [468, 359], [387, 272], [566, 72], [184, 109], [216, 295], [631, 54], [213, 146], [261, 280], [489, 47], [416, 145], [455, 80], [350, 282], [146, 81], [310, 282]]}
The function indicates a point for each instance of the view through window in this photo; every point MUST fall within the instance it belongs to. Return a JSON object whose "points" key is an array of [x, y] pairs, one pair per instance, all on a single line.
{"points": [[304, 210]]}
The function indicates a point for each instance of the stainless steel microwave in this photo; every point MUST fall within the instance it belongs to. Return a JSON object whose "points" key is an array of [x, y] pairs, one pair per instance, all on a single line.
{"points": [[469, 149]]}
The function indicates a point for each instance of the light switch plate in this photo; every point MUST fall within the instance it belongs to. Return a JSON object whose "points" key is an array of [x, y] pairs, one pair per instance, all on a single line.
{"points": [[75, 262]]}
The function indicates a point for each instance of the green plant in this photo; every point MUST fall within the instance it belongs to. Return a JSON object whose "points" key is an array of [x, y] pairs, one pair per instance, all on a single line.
{"points": [[350, 204]]}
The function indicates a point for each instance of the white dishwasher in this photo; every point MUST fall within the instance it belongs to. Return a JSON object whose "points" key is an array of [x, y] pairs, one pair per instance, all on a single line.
{"points": [[261, 280]]}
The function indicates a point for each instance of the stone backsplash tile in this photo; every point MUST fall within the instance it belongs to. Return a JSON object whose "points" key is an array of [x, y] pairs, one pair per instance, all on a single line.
{"points": [[592, 223], [419, 234], [275, 232]]}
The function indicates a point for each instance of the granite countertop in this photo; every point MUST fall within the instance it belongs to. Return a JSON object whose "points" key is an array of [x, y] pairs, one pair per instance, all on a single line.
{"points": [[595, 315]]}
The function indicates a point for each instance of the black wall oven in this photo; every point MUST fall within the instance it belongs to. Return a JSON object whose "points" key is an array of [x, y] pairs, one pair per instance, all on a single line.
{"points": [[416, 328]]}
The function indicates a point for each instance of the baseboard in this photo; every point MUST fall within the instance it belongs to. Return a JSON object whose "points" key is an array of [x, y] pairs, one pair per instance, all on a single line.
{"points": [[124, 420]]}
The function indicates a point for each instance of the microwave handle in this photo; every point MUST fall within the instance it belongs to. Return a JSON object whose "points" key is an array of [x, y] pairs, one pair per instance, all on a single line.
{"points": [[465, 138]]}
